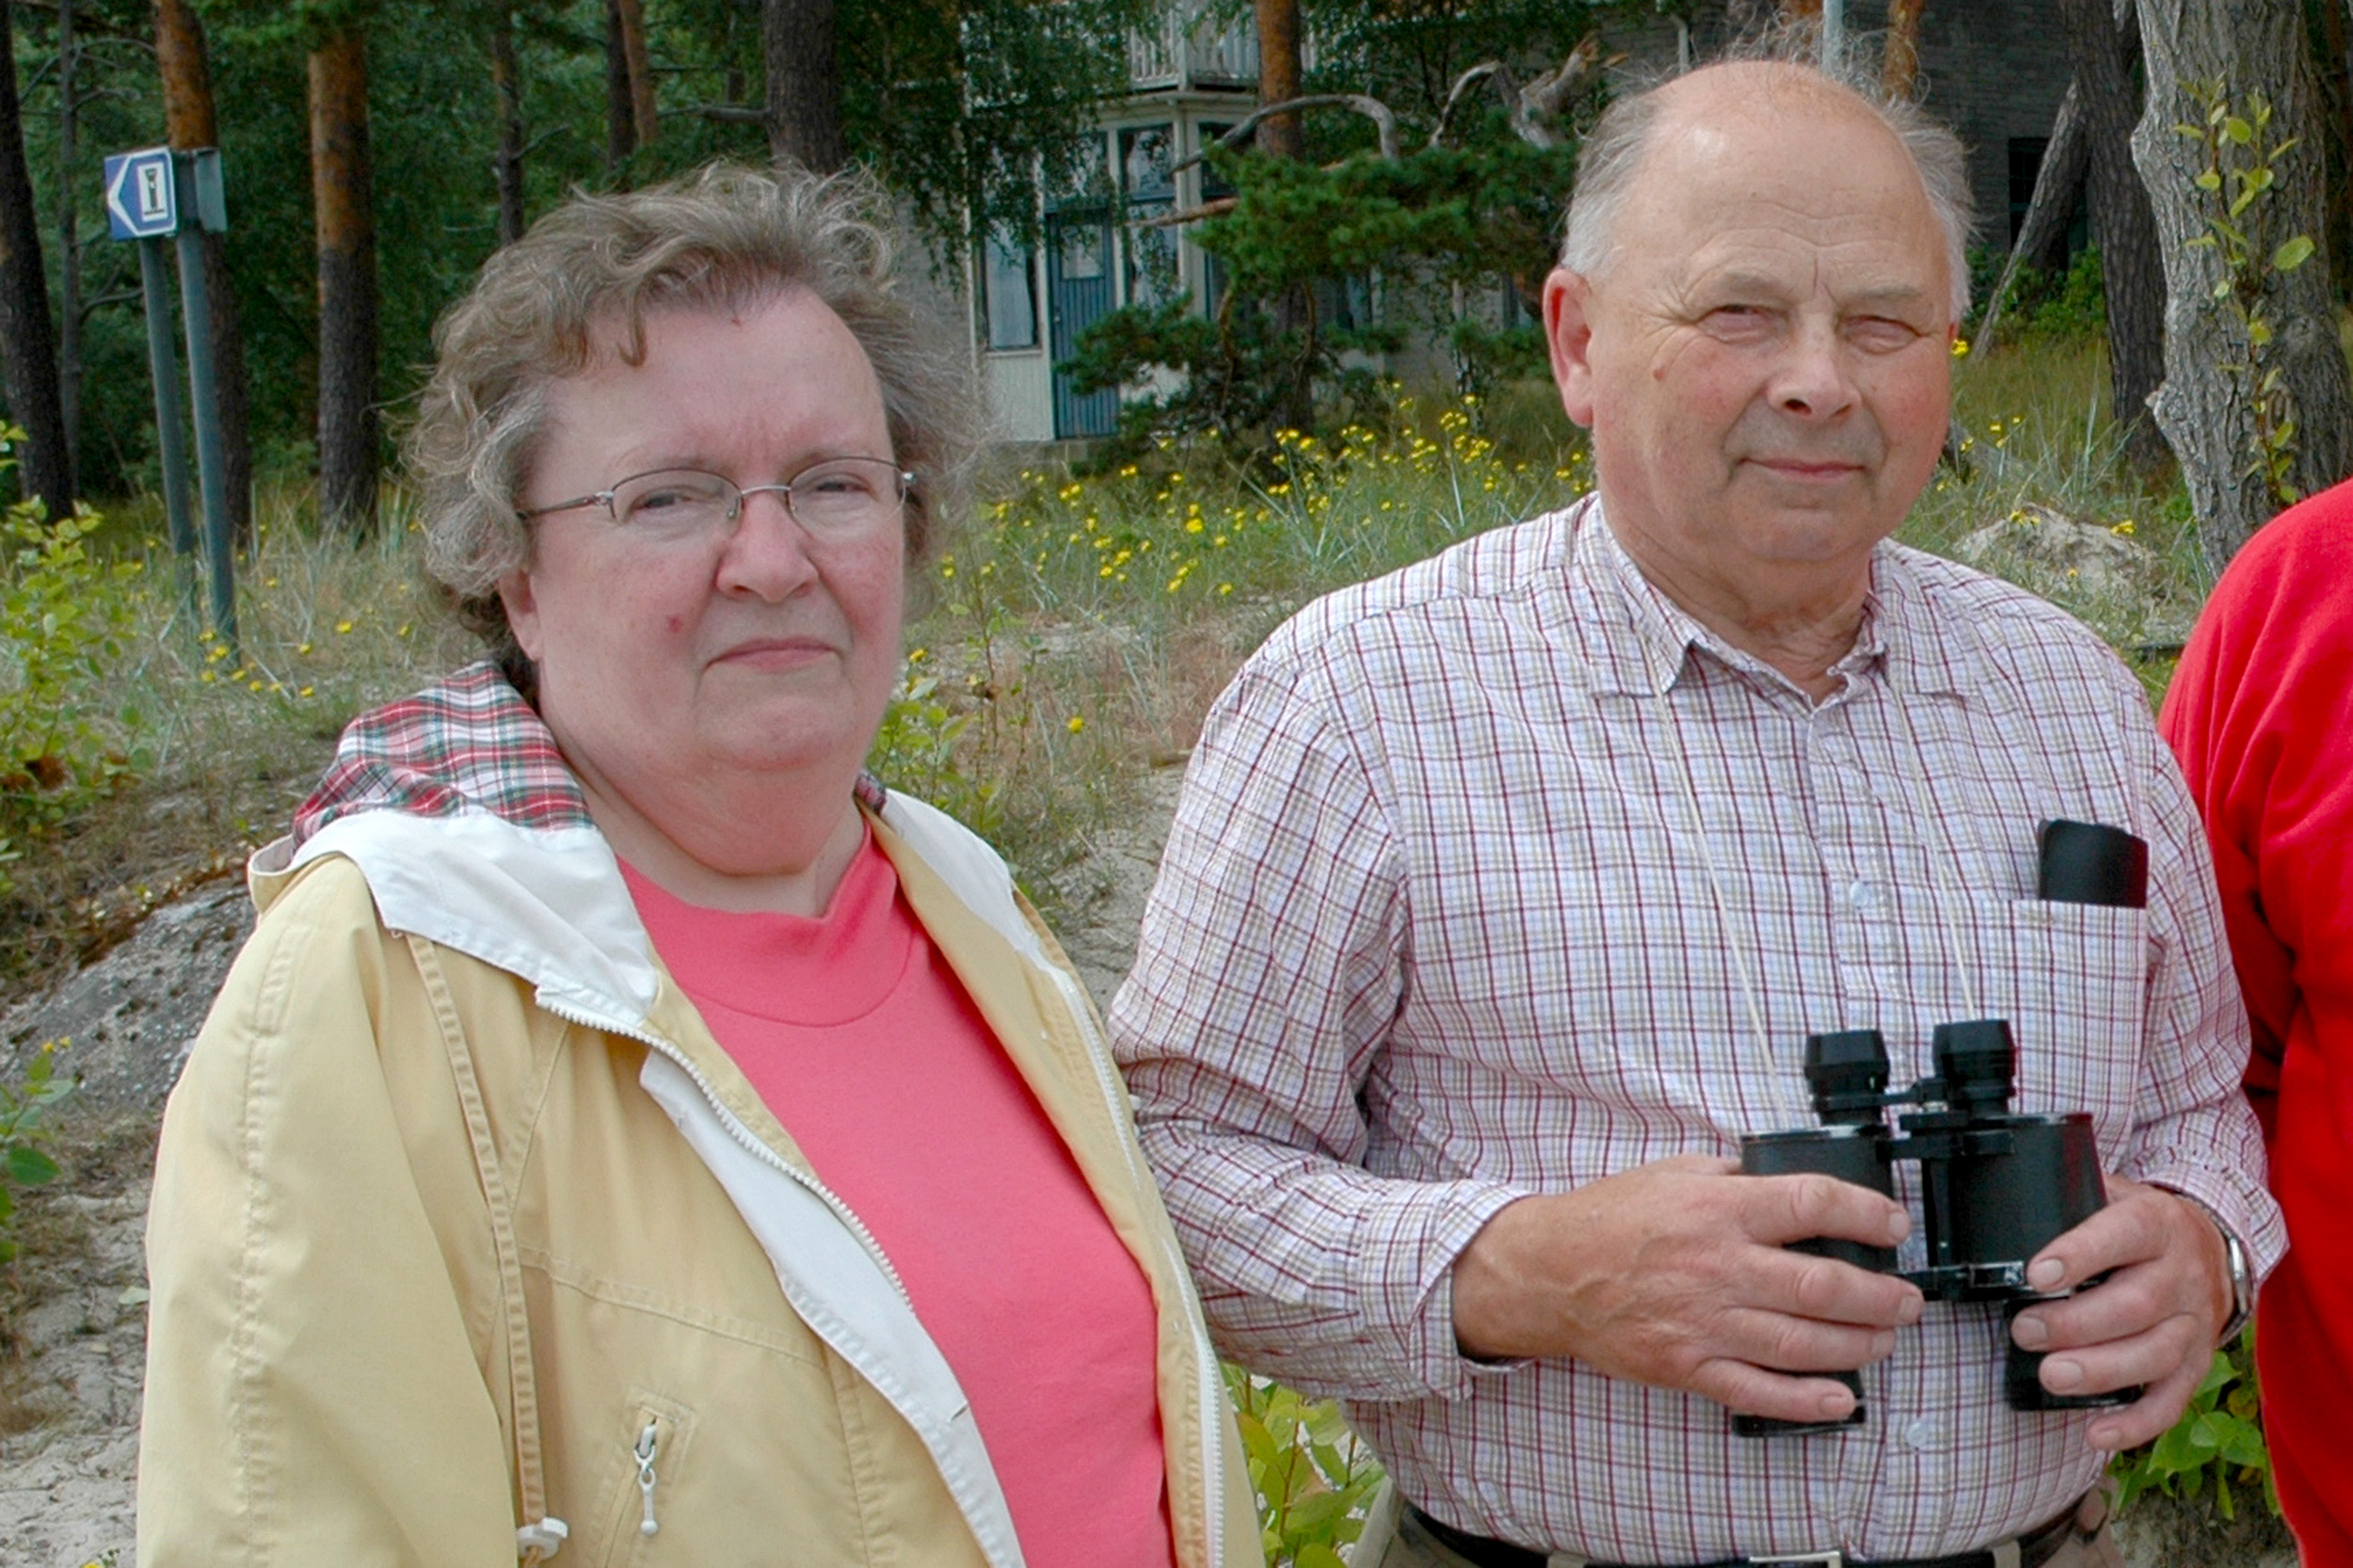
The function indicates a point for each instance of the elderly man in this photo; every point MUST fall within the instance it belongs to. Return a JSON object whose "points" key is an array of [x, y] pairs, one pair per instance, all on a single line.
{"points": [[1505, 892]]}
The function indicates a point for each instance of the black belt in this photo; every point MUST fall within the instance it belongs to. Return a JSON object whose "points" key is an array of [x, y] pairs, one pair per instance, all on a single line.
{"points": [[2035, 1549]]}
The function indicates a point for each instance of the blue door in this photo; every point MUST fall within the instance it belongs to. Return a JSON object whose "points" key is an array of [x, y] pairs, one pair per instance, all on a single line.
{"points": [[1080, 289]]}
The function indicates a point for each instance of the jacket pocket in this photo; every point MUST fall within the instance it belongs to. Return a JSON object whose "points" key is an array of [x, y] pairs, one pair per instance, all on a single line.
{"points": [[648, 1458]]}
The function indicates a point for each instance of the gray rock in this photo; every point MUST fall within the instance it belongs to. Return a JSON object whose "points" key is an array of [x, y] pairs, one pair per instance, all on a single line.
{"points": [[130, 1017]]}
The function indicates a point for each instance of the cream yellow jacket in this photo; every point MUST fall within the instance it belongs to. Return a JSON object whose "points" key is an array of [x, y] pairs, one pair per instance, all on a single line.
{"points": [[459, 1206]]}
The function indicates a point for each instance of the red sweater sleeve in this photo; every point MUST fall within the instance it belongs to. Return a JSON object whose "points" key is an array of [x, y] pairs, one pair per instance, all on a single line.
{"points": [[2262, 715], [2260, 712]]}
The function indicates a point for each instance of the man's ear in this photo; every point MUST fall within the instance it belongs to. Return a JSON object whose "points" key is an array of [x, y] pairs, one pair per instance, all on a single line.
{"points": [[1569, 332], [522, 611]]}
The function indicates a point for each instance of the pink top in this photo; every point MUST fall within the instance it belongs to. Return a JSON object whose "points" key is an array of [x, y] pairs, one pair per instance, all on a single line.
{"points": [[860, 1039]]}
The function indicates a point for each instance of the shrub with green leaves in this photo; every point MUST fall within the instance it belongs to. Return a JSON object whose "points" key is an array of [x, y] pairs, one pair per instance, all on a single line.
{"points": [[64, 614], [2218, 1438], [1313, 1476], [24, 1111]]}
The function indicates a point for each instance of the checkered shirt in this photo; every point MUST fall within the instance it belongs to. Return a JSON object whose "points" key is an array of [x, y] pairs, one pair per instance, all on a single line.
{"points": [[1437, 927]]}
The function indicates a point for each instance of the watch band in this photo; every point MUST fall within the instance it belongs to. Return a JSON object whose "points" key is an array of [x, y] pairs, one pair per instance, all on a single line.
{"points": [[2242, 1275]]}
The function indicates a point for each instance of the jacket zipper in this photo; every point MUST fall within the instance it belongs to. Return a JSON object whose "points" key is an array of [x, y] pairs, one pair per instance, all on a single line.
{"points": [[1212, 1390], [642, 1452], [743, 1135]]}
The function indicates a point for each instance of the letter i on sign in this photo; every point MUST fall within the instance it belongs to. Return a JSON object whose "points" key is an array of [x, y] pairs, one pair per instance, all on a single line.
{"points": [[155, 196]]}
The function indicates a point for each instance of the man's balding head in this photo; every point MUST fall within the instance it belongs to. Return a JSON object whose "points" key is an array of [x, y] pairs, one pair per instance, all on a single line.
{"points": [[1752, 97], [1761, 349]]}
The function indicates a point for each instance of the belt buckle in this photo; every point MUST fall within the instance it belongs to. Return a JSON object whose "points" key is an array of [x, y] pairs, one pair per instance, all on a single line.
{"points": [[1802, 1559]]}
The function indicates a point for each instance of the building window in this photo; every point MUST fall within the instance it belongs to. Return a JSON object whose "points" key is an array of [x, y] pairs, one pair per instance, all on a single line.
{"points": [[1214, 187], [1146, 156], [1009, 292]]}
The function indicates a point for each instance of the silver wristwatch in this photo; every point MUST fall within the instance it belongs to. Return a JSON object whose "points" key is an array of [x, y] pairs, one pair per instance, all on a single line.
{"points": [[2242, 1276]]}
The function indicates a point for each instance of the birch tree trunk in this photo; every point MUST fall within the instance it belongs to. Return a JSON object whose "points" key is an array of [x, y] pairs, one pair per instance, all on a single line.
{"points": [[341, 189], [190, 120], [2248, 50]]}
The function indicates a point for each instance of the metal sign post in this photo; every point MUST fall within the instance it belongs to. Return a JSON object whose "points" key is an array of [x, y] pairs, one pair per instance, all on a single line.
{"points": [[199, 179], [152, 194], [141, 205]]}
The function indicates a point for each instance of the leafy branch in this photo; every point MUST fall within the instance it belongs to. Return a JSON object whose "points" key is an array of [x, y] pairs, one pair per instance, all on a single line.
{"points": [[24, 1129], [2219, 1436], [2241, 170], [1314, 1477]]}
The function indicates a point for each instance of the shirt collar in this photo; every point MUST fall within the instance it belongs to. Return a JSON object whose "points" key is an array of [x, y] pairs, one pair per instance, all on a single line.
{"points": [[1663, 638]]}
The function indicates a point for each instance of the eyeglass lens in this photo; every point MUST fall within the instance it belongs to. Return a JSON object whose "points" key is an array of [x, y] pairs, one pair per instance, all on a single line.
{"points": [[840, 496]]}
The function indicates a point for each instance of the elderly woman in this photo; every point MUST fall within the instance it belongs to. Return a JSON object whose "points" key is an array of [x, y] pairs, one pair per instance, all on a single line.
{"points": [[632, 1131]]}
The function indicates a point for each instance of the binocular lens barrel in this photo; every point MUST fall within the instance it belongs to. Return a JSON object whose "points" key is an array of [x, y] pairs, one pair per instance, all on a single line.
{"points": [[2007, 1207], [1853, 1154]]}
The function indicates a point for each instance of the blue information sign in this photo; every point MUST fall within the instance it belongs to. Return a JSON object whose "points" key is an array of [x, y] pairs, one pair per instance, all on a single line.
{"points": [[141, 202]]}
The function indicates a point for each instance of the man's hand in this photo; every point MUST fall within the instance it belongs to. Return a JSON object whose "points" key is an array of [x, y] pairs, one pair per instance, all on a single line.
{"points": [[1675, 1274], [2152, 1321]]}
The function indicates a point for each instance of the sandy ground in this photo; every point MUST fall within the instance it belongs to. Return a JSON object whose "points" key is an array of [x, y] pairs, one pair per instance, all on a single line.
{"points": [[70, 1378]]}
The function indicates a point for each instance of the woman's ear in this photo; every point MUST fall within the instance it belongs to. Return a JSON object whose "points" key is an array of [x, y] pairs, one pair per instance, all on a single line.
{"points": [[522, 611]]}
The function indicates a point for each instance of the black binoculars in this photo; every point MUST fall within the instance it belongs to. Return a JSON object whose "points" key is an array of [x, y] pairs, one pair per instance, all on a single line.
{"points": [[1995, 1187]]}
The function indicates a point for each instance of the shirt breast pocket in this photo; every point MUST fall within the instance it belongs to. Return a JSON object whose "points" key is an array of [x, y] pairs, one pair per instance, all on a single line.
{"points": [[2073, 979]]}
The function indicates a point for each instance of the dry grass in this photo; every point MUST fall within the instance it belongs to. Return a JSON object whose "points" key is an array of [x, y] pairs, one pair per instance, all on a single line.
{"points": [[1078, 628]]}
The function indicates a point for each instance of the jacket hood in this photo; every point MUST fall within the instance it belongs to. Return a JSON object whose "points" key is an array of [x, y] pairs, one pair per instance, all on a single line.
{"points": [[460, 809], [470, 741]]}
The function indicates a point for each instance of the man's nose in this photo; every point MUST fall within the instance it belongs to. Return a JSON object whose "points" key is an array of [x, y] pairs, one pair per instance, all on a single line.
{"points": [[1816, 378], [767, 554]]}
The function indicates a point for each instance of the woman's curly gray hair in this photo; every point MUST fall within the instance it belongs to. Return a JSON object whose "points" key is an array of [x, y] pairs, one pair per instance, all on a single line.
{"points": [[721, 239]]}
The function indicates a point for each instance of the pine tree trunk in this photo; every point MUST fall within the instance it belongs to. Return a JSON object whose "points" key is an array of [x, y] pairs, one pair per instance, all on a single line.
{"points": [[28, 344], [637, 63], [1279, 136], [340, 189], [803, 88], [189, 122], [2059, 185], [507, 89], [69, 247], [1282, 136], [621, 110], [1903, 66], [2120, 223], [2256, 49], [2066, 161]]}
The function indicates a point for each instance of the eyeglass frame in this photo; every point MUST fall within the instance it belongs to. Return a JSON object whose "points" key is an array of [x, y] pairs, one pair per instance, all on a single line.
{"points": [[906, 477]]}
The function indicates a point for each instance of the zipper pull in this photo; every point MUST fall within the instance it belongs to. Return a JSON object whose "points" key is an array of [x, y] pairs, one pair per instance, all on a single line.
{"points": [[642, 1452]]}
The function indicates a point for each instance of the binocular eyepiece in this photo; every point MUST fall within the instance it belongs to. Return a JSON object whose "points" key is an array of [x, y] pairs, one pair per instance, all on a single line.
{"points": [[1995, 1187]]}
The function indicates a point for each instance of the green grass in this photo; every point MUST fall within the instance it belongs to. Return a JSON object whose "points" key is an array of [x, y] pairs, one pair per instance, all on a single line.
{"points": [[1075, 629]]}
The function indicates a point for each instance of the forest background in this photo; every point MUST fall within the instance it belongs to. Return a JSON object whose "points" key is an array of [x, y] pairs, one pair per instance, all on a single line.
{"points": [[2145, 411]]}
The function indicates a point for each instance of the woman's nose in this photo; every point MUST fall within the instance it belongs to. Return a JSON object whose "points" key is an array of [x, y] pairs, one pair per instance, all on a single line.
{"points": [[767, 554]]}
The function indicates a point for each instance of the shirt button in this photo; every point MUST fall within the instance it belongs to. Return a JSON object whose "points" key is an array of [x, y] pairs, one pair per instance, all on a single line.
{"points": [[1918, 1433], [1859, 893]]}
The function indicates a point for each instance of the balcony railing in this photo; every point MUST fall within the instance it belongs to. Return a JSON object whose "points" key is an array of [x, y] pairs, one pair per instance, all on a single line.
{"points": [[1191, 49]]}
